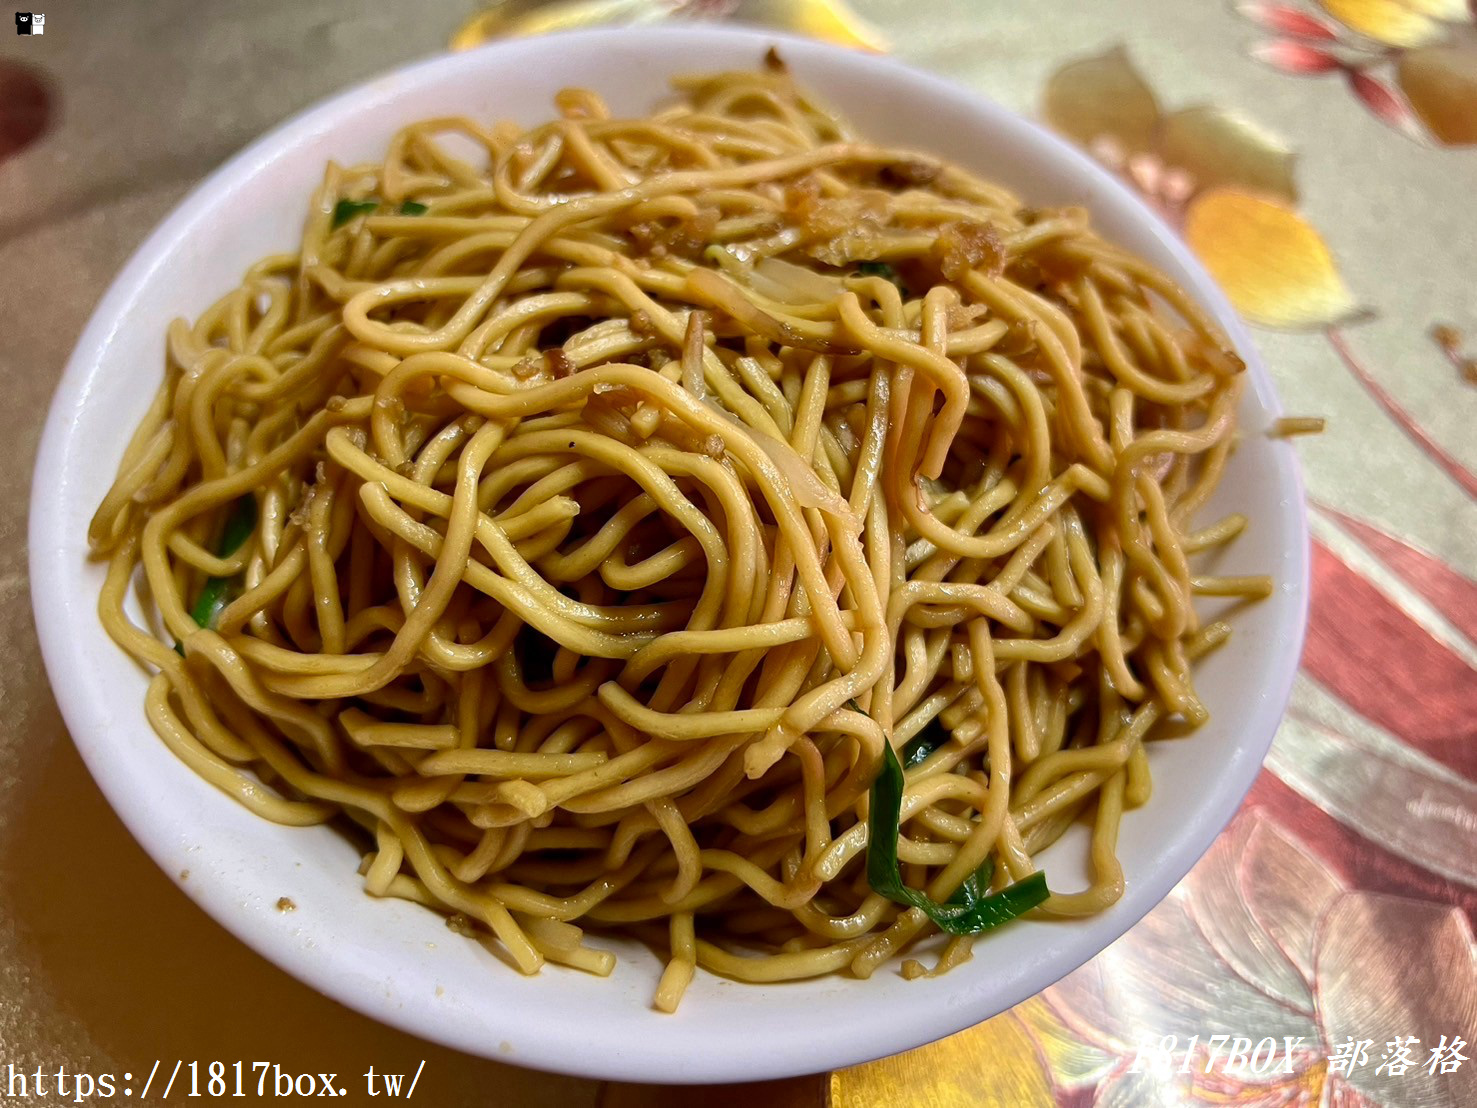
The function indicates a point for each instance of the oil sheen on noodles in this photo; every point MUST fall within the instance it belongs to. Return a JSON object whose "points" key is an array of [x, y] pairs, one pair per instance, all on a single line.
{"points": [[582, 511]]}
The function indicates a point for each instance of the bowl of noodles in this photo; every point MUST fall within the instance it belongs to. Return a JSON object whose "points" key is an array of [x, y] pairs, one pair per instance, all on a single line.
{"points": [[683, 555]]}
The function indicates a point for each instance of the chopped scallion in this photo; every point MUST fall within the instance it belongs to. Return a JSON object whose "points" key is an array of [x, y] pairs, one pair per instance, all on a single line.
{"points": [[970, 910], [215, 596], [346, 210]]}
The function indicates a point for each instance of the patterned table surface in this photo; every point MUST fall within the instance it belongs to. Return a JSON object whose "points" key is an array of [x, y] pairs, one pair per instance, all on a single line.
{"points": [[1321, 158]]}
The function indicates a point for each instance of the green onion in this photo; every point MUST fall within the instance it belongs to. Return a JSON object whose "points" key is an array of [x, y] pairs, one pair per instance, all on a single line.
{"points": [[975, 886], [929, 739], [915, 753], [883, 270], [346, 210], [214, 596], [970, 910]]}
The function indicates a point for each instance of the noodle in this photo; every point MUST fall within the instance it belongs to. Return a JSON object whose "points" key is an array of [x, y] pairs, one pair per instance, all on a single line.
{"points": [[585, 530]]}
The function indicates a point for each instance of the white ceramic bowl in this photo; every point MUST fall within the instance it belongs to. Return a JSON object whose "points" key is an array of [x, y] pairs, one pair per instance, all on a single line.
{"points": [[397, 962]]}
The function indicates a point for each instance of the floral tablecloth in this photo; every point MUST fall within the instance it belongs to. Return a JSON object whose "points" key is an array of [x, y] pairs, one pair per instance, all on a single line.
{"points": [[1320, 157]]}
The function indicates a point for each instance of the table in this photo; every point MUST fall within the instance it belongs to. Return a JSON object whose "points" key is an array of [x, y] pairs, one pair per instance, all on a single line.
{"points": [[1322, 160]]}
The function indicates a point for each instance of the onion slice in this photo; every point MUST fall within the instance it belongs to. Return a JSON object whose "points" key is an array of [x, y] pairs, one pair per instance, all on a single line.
{"points": [[789, 283]]}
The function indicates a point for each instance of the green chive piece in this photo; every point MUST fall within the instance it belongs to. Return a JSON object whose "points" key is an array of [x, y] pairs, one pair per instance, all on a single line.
{"points": [[413, 207], [921, 748], [883, 270], [210, 603], [975, 886], [346, 210], [216, 594], [970, 910], [239, 526]]}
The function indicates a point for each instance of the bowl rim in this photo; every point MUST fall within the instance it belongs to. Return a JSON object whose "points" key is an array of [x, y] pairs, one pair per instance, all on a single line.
{"points": [[89, 717]]}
